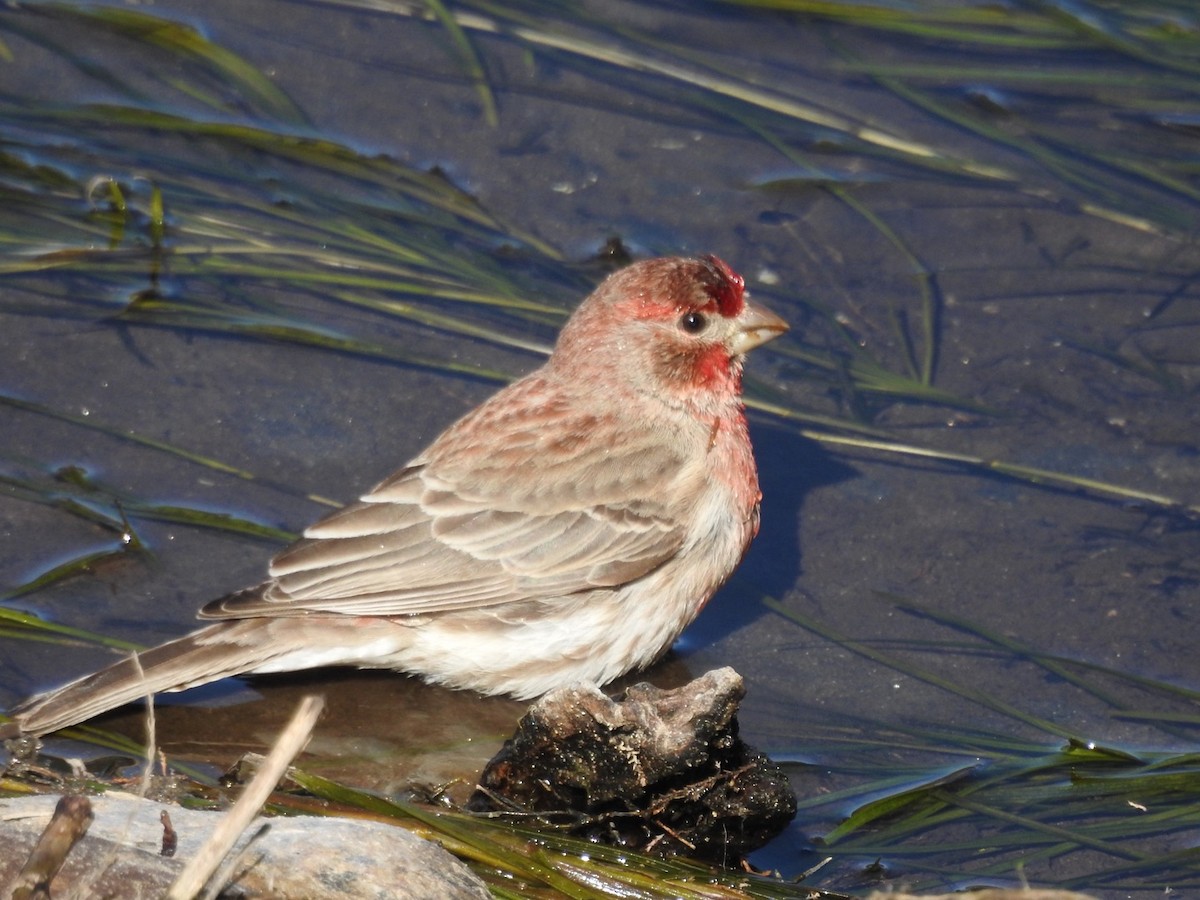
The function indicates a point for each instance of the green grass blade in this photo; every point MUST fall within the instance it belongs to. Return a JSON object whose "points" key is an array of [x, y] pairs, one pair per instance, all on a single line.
{"points": [[982, 698], [470, 59]]}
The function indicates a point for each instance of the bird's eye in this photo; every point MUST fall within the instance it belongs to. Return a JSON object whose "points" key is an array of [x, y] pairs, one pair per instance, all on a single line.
{"points": [[693, 322]]}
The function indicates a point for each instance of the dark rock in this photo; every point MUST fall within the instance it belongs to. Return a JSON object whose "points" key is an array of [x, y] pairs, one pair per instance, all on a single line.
{"points": [[659, 771]]}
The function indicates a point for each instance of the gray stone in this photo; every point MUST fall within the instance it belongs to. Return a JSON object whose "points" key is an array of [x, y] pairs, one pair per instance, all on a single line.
{"points": [[296, 857]]}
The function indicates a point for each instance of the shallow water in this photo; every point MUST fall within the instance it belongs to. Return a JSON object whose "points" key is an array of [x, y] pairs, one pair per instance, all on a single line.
{"points": [[1071, 336]]}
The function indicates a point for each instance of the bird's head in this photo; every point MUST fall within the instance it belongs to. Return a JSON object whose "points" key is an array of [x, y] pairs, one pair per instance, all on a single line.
{"points": [[677, 328]]}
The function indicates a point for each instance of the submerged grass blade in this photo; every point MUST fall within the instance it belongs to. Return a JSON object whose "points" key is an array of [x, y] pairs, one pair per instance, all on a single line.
{"points": [[1070, 836], [180, 42], [893, 804], [1063, 668], [1104, 201], [972, 23], [72, 490], [184, 42], [982, 698], [922, 370], [164, 313], [1029, 810], [470, 59], [79, 565], [1031, 474], [39, 628], [124, 434], [538, 34], [203, 518]]}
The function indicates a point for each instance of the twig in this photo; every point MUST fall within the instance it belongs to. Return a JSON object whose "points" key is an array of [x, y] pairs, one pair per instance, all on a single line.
{"points": [[291, 741], [72, 816]]}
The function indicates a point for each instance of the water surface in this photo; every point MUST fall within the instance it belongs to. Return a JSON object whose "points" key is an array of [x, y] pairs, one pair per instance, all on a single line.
{"points": [[1039, 280]]}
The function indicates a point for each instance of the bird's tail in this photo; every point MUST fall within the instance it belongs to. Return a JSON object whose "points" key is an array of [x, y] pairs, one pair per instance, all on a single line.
{"points": [[212, 653]]}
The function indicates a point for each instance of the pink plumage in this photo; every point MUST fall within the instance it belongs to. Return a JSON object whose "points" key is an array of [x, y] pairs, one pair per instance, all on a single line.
{"points": [[568, 529]]}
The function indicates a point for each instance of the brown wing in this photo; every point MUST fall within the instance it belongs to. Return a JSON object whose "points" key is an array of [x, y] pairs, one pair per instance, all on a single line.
{"points": [[484, 522]]}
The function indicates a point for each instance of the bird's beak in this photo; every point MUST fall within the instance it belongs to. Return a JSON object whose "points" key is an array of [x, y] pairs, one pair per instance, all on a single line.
{"points": [[755, 326]]}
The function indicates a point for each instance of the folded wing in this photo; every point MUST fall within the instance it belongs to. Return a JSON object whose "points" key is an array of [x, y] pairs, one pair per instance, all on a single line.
{"points": [[447, 534]]}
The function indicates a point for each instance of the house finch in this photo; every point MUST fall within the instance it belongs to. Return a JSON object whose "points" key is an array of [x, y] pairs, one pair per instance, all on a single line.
{"points": [[566, 530]]}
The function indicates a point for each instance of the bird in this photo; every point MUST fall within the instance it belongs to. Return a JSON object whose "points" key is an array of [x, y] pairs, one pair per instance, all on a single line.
{"points": [[566, 530]]}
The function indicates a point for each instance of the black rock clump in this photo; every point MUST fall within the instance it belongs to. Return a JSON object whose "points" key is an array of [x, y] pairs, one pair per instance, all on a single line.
{"points": [[660, 771]]}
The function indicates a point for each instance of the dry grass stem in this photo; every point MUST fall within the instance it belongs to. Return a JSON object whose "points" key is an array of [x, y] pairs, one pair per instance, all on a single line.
{"points": [[292, 740]]}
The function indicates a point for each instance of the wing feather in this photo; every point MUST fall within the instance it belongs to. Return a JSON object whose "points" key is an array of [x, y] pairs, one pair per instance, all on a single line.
{"points": [[515, 514]]}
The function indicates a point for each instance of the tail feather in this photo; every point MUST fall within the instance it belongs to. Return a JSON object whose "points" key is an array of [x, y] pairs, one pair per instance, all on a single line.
{"points": [[210, 654]]}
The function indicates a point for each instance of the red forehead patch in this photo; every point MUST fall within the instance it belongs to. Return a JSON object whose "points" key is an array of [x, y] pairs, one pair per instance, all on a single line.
{"points": [[729, 289]]}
